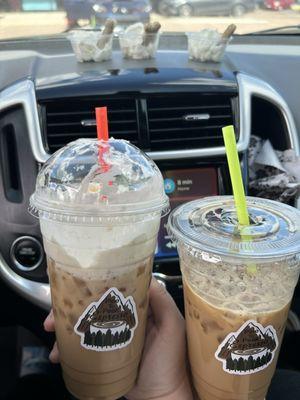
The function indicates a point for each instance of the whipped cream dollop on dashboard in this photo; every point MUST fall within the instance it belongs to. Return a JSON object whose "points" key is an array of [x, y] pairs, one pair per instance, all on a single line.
{"points": [[207, 45], [86, 47], [137, 44]]}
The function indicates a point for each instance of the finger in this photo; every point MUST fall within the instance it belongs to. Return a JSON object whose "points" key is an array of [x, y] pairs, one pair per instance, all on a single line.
{"points": [[49, 322], [54, 355], [164, 309]]}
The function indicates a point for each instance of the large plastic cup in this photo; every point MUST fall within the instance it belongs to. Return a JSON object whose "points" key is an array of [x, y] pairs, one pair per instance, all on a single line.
{"points": [[99, 205], [89, 45], [238, 285], [206, 48]]}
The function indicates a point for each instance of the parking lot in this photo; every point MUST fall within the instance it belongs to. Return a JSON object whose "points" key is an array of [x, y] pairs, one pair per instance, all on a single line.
{"points": [[20, 24]]}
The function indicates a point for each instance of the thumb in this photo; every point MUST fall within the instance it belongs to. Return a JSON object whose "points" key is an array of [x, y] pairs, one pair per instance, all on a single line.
{"points": [[163, 307], [49, 322]]}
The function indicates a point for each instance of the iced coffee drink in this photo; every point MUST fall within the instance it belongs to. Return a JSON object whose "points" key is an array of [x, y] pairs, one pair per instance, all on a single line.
{"points": [[99, 205], [238, 284]]}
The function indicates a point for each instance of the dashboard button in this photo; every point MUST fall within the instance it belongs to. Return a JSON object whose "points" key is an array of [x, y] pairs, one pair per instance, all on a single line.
{"points": [[27, 253]]}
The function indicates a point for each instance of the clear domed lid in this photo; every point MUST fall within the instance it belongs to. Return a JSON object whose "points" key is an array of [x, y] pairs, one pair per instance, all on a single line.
{"points": [[91, 179], [211, 225]]}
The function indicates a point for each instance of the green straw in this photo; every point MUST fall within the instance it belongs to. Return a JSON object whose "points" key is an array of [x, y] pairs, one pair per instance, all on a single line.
{"points": [[235, 175], [237, 182]]}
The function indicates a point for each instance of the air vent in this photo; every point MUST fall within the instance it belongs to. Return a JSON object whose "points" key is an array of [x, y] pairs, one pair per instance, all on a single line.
{"points": [[188, 121], [175, 121], [10, 164], [69, 119]]}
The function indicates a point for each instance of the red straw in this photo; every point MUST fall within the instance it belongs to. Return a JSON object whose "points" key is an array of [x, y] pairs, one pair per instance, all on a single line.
{"points": [[102, 124], [102, 134]]}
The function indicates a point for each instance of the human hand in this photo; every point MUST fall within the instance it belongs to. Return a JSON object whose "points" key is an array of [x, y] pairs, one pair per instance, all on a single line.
{"points": [[162, 372]]}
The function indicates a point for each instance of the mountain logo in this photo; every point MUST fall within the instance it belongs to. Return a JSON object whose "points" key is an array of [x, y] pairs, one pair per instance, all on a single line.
{"points": [[109, 323], [248, 350]]}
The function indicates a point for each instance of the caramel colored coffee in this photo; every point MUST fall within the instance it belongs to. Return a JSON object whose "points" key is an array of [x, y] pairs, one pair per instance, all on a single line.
{"points": [[111, 372], [100, 307], [235, 325], [207, 326]]}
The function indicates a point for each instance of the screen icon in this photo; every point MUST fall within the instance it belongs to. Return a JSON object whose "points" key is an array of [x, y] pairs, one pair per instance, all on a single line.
{"points": [[169, 186]]}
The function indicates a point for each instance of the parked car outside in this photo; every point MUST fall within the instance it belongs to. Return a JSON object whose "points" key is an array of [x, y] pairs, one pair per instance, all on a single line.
{"points": [[187, 8], [260, 3], [278, 5], [10, 5], [76, 10], [296, 7], [124, 12]]}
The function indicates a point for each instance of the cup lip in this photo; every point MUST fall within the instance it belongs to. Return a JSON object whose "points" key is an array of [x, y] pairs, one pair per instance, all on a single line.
{"points": [[194, 35], [143, 34], [80, 34], [115, 213], [197, 245], [89, 30]]}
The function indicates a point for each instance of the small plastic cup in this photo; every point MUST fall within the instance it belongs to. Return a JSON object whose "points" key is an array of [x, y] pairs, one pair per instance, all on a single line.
{"points": [[139, 46], [91, 45], [204, 50]]}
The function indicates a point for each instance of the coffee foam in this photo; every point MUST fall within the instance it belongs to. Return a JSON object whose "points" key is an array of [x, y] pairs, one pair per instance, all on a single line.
{"points": [[228, 286], [104, 246]]}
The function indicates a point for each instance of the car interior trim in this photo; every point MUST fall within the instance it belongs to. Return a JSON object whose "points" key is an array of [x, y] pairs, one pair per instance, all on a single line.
{"points": [[250, 86], [36, 292], [23, 93]]}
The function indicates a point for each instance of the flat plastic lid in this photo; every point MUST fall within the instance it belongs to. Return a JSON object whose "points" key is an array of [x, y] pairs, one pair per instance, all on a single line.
{"points": [[211, 225], [89, 179]]}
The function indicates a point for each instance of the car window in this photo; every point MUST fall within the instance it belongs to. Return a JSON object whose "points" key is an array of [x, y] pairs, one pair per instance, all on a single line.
{"points": [[25, 18]]}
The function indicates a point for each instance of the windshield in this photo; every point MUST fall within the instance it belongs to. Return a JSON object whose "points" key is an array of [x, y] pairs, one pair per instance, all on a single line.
{"points": [[24, 18]]}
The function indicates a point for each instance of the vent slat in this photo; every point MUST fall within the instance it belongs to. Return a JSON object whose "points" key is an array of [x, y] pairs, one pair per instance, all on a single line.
{"points": [[62, 124], [55, 114], [180, 108], [181, 118], [86, 134], [174, 124], [181, 139], [195, 128]]}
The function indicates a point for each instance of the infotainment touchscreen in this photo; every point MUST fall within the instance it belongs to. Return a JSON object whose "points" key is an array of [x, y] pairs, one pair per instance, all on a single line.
{"points": [[182, 185]]}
